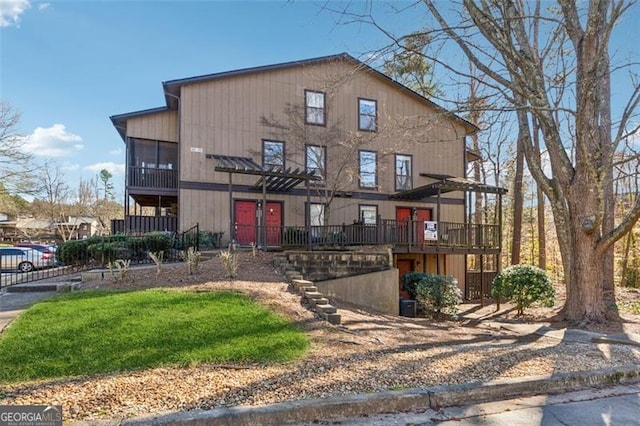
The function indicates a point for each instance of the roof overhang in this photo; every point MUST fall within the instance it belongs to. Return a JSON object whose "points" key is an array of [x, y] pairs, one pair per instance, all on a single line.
{"points": [[119, 121], [270, 180], [444, 184]]}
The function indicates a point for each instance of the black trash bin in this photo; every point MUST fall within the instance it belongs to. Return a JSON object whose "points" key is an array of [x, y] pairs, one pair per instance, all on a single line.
{"points": [[408, 308]]}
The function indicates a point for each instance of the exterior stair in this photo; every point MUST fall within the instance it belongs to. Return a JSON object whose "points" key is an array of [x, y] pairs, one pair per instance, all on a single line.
{"points": [[316, 300]]}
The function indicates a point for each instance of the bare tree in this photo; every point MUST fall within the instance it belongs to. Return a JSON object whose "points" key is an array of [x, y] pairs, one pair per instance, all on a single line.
{"points": [[55, 200], [15, 164], [563, 84]]}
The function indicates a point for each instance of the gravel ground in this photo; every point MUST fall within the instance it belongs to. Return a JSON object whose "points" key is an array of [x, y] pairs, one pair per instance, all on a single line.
{"points": [[368, 352]]}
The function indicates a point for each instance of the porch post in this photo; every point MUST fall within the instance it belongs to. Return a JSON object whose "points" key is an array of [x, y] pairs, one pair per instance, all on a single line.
{"points": [[481, 280], [263, 219], [307, 219], [232, 233], [438, 239]]}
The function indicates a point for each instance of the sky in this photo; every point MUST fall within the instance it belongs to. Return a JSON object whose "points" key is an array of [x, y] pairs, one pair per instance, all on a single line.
{"points": [[67, 66]]}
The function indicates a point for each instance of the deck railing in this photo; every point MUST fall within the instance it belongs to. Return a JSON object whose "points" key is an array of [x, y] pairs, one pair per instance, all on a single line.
{"points": [[144, 224], [144, 177], [392, 232]]}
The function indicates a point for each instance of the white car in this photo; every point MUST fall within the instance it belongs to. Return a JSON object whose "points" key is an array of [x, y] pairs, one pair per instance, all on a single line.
{"points": [[24, 259]]}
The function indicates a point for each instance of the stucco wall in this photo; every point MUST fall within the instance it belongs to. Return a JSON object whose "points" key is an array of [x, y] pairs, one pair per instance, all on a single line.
{"points": [[377, 290]]}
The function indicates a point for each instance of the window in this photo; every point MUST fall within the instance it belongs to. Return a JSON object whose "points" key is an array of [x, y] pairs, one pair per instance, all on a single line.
{"points": [[367, 163], [368, 214], [403, 172], [316, 214], [315, 160], [367, 115], [314, 107], [273, 155]]}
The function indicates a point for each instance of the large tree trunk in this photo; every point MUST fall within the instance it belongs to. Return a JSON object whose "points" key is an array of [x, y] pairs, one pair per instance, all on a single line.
{"points": [[517, 204]]}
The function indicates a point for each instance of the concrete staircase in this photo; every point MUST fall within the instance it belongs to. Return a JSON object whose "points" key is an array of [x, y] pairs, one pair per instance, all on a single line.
{"points": [[310, 295]]}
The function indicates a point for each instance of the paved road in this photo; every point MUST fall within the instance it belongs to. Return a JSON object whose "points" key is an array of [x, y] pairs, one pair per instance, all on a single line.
{"points": [[618, 405]]}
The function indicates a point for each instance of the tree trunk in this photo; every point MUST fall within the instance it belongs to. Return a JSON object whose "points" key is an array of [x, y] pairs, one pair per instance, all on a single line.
{"points": [[517, 204], [542, 231]]}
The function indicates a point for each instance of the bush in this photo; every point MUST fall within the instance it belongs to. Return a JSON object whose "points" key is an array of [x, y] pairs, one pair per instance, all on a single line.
{"points": [[438, 294], [108, 252], [156, 242], [523, 285], [410, 280], [73, 252]]}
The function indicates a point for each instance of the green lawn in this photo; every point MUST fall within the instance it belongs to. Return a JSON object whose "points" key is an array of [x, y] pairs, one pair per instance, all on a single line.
{"points": [[102, 332]]}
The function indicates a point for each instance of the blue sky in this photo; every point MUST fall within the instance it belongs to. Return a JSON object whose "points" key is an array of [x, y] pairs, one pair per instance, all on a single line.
{"points": [[68, 65]]}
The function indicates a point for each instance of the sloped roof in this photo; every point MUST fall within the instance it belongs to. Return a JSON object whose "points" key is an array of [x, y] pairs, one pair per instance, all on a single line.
{"points": [[172, 87]]}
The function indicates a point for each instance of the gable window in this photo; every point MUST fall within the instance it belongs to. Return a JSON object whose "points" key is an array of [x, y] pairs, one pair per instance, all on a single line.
{"points": [[273, 155], [314, 107], [403, 172], [368, 214], [315, 160], [367, 115], [367, 165]]}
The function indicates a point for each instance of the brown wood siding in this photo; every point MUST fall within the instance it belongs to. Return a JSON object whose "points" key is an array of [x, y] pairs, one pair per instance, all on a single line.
{"points": [[162, 126]]}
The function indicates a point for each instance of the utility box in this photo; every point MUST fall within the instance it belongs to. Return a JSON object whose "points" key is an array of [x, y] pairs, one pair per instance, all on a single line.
{"points": [[407, 308]]}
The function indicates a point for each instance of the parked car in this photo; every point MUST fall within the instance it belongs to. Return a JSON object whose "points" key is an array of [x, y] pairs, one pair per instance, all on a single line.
{"points": [[42, 248], [24, 259]]}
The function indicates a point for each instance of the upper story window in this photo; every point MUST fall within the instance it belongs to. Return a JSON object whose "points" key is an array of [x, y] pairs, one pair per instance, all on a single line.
{"points": [[367, 115], [315, 160], [315, 112], [368, 163], [403, 172], [273, 155]]}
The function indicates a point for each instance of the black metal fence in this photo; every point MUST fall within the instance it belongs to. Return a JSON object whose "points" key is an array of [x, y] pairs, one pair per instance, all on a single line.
{"points": [[96, 252]]}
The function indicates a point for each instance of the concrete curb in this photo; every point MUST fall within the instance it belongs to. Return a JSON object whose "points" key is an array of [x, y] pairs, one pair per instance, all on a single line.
{"points": [[394, 401]]}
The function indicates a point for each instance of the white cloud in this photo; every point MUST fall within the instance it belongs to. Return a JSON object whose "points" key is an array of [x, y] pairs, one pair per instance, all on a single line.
{"points": [[116, 151], [52, 141], [10, 11], [113, 168], [43, 6], [69, 167]]}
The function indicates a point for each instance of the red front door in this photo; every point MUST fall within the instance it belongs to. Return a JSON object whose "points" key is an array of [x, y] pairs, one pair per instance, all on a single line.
{"points": [[274, 223], [245, 217], [404, 266], [422, 216], [408, 233]]}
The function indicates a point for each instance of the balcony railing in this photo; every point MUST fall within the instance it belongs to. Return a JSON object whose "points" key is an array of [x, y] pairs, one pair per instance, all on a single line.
{"points": [[145, 177], [398, 233], [144, 224]]}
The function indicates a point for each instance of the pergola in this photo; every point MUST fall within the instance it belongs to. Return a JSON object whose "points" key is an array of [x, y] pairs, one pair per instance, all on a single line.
{"points": [[270, 180]]}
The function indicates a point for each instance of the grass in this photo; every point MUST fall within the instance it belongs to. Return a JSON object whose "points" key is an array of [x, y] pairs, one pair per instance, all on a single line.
{"points": [[632, 307], [92, 333]]}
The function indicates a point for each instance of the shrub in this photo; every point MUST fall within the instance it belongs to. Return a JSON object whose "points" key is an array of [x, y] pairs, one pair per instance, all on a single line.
{"points": [[107, 252], [409, 281], [73, 252], [523, 285], [157, 241], [438, 294]]}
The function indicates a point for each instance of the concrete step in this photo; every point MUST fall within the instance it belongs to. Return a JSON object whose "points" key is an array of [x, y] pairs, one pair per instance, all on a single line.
{"points": [[313, 295], [310, 289], [299, 284], [326, 309], [315, 302], [332, 318]]}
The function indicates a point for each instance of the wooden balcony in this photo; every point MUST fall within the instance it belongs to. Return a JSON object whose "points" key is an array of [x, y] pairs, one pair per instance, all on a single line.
{"points": [[143, 177], [144, 224], [408, 236]]}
